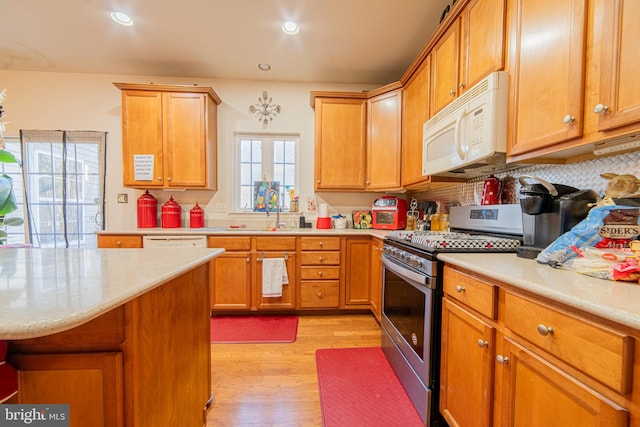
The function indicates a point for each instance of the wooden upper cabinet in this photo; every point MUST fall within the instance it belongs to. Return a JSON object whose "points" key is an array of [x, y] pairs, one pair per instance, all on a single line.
{"points": [[340, 141], [384, 118], [169, 136], [546, 61], [482, 25], [619, 97], [415, 111], [444, 68]]}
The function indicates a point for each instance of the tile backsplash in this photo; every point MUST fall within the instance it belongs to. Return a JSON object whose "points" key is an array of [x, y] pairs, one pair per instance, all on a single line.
{"points": [[582, 175]]}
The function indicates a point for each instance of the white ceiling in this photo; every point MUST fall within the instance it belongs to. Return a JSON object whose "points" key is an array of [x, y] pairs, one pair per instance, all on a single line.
{"points": [[340, 41]]}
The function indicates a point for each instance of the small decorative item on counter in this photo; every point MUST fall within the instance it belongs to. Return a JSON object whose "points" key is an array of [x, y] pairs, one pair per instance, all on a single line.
{"points": [[171, 214], [412, 216], [196, 217], [147, 211], [339, 221], [294, 204], [362, 219], [311, 204]]}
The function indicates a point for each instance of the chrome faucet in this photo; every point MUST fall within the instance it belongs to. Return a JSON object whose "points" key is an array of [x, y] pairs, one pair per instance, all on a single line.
{"points": [[269, 193]]}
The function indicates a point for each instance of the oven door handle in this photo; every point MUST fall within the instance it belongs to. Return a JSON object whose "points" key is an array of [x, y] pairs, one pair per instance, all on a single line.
{"points": [[412, 276]]}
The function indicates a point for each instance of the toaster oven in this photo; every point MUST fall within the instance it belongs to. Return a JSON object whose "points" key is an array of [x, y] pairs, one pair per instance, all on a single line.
{"points": [[389, 213]]}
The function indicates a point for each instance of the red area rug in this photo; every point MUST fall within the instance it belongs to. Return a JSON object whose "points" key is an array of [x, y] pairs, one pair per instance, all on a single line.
{"points": [[253, 329], [359, 388]]}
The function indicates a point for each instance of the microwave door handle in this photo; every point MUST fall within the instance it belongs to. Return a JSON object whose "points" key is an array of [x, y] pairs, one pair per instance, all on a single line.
{"points": [[462, 153]]}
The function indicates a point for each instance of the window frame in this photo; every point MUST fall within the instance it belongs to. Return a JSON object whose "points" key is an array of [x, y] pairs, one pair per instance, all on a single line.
{"points": [[266, 155]]}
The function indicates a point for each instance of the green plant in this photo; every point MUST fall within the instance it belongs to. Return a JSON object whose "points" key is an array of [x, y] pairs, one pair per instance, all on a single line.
{"points": [[8, 201]]}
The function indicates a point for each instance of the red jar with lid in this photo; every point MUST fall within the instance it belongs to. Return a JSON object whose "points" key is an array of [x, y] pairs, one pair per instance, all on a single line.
{"points": [[147, 211], [196, 217], [171, 214]]}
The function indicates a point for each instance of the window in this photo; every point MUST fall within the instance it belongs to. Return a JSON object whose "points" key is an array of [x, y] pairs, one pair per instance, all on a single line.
{"points": [[64, 186], [265, 157]]}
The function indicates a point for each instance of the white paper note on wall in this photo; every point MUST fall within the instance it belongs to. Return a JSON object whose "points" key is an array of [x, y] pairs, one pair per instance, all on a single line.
{"points": [[143, 167]]}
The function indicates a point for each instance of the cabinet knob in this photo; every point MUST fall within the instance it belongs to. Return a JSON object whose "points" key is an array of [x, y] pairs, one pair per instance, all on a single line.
{"points": [[452, 92], [320, 273], [460, 288], [169, 178], [600, 108], [118, 243], [248, 259], [544, 330], [159, 178], [482, 343], [319, 294], [321, 244], [461, 85], [320, 259], [568, 119], [502, 360], [318, 181]]}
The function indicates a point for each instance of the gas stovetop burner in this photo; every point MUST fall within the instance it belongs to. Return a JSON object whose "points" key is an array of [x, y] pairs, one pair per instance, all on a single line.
{"points": [[455, 241]]}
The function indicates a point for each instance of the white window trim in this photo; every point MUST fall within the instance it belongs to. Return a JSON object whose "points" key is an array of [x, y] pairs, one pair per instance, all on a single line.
{"points": [[235, 207]]}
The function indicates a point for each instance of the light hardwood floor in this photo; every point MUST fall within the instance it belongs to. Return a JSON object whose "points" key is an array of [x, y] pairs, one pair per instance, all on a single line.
{"points": [[277, 384]]}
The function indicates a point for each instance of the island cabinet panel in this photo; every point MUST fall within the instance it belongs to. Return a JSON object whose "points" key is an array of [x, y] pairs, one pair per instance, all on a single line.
{"points": [[90, 383]]}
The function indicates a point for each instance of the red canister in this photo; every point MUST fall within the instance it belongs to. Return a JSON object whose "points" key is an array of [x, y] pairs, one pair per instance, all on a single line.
{"points": [[171, 214], [147, 211], [196, 217]]}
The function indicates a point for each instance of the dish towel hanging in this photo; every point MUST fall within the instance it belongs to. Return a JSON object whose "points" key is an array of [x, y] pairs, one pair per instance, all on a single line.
{"points": [[274, 275]]}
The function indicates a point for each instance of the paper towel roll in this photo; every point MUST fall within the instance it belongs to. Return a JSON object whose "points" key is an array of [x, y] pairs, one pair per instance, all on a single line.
{"points": [[323, 210]]}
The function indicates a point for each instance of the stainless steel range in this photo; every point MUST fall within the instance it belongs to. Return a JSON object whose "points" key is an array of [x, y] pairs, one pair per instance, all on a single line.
{"points": [[412, 293]]}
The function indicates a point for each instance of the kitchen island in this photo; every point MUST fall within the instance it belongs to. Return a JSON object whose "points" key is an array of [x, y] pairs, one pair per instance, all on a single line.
{"points": [[122, 336]]}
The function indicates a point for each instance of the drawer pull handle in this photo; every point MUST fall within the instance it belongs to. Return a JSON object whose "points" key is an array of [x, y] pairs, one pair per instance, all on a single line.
{"points": [[482, 343], [118, 243], [320, 273], [460, 288], [502, 360], [320, 259], [544, 330], [321, 244], [319, 294]]}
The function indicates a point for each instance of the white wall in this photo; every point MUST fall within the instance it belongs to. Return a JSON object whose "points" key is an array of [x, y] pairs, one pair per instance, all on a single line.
{"points": [[67, 101]]}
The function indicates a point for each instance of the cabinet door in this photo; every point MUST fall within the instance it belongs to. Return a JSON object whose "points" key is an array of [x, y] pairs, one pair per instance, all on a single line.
{"points": [[230, 281], [547, 50], [444, 68], [357, 271], [383, 141], [90, 383], [482, 44], [415, 111], [288, 298], [142, 134], [537, 393], [376, 278], [185, 142], [340, 139], [466, 385], [620, 62]]}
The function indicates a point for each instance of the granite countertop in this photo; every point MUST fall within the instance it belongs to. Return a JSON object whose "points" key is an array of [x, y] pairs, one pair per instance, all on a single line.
{"points": [[259, 231], [45, 291], [615, 301]]}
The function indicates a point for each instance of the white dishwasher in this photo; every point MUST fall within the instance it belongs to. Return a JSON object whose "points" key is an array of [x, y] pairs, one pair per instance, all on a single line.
{"points": [[165, 241]]}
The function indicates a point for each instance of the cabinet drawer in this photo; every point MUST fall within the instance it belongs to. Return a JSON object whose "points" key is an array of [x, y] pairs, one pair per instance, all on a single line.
{"points": [[277, 243], [478, 295], [602, 353], [320, 243], [119, 241], [317, 273], [320, 258], [322, 294], [230, 243]]}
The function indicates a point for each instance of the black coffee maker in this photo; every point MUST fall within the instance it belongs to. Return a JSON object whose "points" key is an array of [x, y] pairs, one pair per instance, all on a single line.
{"points": [[548, 211]]}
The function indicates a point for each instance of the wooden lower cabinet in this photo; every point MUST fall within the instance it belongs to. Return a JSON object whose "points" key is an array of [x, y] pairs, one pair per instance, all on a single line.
{"points": [[90, 383], [375, 296], [320, 273], [119, 241], [510, 360], [466, 374], [319, 294], [288, 298], [231, 281], [357, 272], [537, 393]]}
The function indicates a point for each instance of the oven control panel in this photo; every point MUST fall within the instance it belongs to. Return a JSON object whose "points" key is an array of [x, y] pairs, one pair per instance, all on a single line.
{"points": [[415, 261]]}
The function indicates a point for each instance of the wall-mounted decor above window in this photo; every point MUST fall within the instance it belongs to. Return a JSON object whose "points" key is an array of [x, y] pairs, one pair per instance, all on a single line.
{"points": [[265, 110]]}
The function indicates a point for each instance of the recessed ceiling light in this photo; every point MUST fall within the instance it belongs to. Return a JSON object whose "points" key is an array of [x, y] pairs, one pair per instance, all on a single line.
{"points": [[290, 27], [264, 67], [122, 18]]}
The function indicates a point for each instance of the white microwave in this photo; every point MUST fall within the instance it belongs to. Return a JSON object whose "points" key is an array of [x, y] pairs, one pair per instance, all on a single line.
{"points": [[470, 133]]}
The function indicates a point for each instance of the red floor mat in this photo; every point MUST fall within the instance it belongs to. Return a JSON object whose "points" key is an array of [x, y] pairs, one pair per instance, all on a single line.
{"points": [[359, 388], [253, 329]]}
